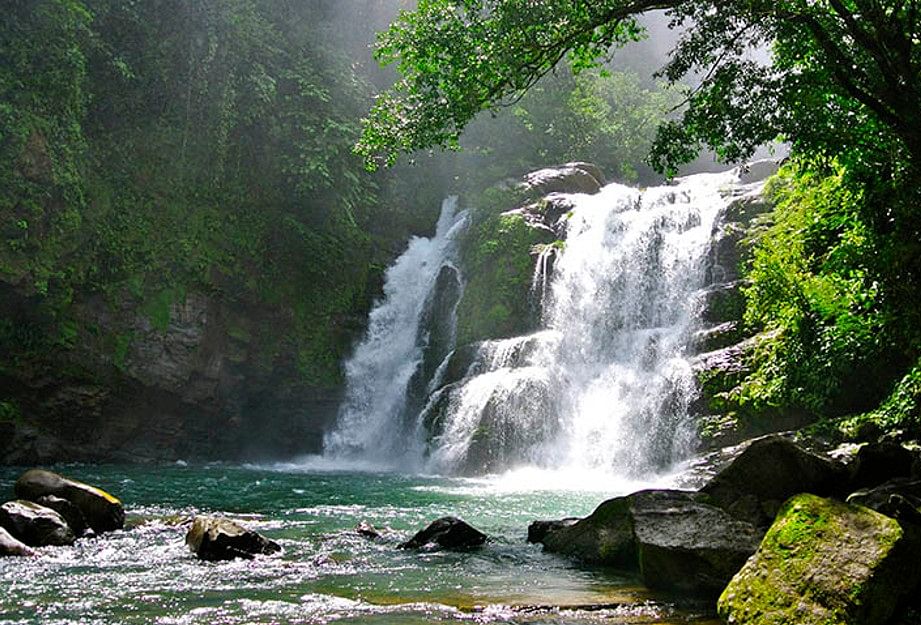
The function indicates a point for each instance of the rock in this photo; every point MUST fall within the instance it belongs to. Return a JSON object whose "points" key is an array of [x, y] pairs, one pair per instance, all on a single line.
{"points": [[448, 533], [825, 562], [717, 337], [768, 472], [68, 511], [538, 530], [726, 253], [746, 202], [758, 171], [880, 462], [213, 539], [9, 546], [569, 178], [35, 525], [899, 499], [102, 511], [723, 302], [435, 338], [674, 539], [366, 530]]}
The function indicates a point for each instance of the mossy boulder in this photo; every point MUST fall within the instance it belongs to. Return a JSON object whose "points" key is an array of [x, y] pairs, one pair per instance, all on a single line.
{"points": [[102, 511], [499, 258], [823, 562]]}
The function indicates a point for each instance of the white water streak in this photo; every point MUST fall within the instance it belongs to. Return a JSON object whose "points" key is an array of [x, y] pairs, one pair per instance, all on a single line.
{"points": [[370, 426]]}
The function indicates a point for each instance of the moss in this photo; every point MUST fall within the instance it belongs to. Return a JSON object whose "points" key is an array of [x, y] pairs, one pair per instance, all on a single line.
{"points": [[120, 350], [498, 253], [10, 412], [822, 562]]}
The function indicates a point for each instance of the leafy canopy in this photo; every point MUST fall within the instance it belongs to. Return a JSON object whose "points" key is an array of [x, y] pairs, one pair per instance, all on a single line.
{"points": [[844, 73]]}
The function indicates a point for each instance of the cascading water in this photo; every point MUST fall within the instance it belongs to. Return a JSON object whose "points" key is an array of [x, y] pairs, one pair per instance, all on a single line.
{"points": [[606, 385], [371, 426]]}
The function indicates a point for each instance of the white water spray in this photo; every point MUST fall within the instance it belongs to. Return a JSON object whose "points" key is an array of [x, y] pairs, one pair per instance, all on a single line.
{"points": [[371, 424], [603, 389], [606, 386]]}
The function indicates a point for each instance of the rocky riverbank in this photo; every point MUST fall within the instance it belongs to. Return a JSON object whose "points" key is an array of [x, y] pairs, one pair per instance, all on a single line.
{"points": [[780, 535]]}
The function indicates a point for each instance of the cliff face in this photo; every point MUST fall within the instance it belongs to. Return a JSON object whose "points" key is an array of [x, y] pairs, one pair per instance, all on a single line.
{"points": [[209, 379]]}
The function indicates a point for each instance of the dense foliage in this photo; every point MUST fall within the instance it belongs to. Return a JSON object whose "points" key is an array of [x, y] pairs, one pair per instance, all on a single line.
{"points": [[154, 149]]}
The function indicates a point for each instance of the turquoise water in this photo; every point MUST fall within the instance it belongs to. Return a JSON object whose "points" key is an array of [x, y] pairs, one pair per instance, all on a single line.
{"points": [[326, 574]]}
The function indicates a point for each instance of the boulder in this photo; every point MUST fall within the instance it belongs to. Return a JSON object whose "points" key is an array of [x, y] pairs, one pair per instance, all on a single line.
{"points": [[9, 546], [768, 472], [880, 462], [899, 499], [537, 530], [758, 171], [825, 562], [68, 511], [447, 533], [102, 511], [672, 538], [214, 538], [35, 525], [569, 178]]}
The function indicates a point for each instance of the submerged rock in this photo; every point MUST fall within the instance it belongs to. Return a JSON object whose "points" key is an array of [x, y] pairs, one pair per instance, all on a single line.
{"points": [[213, 539], [10, 546], [767, 473], [102, 511], [672, 538], [35, 525], [825, 562], [366, 530], [447, 533]]}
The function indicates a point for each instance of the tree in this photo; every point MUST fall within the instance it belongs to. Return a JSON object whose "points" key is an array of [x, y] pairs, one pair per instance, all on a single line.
{"points": [[845, 73]]}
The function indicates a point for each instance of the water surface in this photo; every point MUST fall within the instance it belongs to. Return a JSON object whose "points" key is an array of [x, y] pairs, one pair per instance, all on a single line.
{"points": [[327, 573]]}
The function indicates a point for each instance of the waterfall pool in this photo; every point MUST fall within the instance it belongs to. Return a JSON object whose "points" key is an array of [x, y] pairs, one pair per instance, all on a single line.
{"points": [[327, 573]]}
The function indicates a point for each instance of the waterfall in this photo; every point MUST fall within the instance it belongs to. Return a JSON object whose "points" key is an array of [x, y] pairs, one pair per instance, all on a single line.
{"points": [[389, 361], [606, 385]]}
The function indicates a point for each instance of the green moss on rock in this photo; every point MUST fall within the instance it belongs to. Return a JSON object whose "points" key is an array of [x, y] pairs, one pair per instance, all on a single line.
{"points": [[499, 256], [822, 563]]}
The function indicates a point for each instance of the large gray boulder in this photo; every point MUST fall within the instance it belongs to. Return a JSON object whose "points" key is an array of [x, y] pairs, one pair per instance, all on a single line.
{"points": [[576, 177], [768, 472], [215, 538], [102, 511], [446, 533], [35, 525], [673, 538], [823, 562], [10, 546]]}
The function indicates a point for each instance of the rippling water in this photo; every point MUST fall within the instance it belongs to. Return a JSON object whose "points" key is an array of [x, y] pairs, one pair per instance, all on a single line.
{"points": [[327, 574]]}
